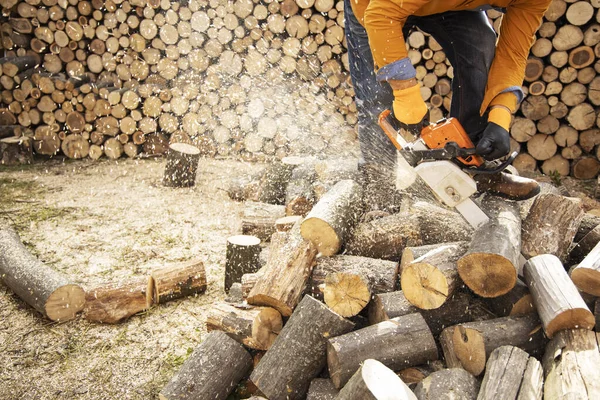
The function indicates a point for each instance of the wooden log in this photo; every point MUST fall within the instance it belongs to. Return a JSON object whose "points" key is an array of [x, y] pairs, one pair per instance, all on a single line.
{"points": [[181, 166], [16, 150], [398, 343], [581, 57], [570, 365], [579, 13], [516, 302], [254, 327], [585, 168], [284, 224], [556, 298], [299, 194], [491, 264], [550, 225], [35, 283], [284, 277], [271, 188], [471, 343], [115, 302], [511, 374], [202, 375], [585, 247], [279, 375], [372, 381], [330, 222], [429, 280], [321, 388], [15, 65], [582, 116], [258, 219], [448, 384], [176, 281], [241, 257], [75, 146]]}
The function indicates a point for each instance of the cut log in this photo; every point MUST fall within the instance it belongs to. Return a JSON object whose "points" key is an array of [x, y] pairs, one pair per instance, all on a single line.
{"points": [[556, 298], [271, 188], [259, 219], [511, 374], [255, 327], [429, 280], [181, 166], [586, 275], [516, 302], [454, 383], [585, 168], [284, 277], [330, 222], [203, 376], [550, 225], [176, 281], [299, 194], [491, 264], [398, 343], [242, 257], [579, 13], [585, 244], [75, 146], [570, 365], [35, 283], [473, 342], [321, 389], [373, 381], [16, 150], [582, 116], [284, 224], [279, 374], [115, 302]]}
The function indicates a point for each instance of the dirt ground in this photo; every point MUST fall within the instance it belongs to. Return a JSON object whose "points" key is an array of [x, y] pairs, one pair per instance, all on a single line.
{"points": [[107, 221]]}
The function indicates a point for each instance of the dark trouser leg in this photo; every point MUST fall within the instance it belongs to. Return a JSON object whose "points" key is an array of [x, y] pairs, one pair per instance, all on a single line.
{"points": [[371, 97], [469, 42]]}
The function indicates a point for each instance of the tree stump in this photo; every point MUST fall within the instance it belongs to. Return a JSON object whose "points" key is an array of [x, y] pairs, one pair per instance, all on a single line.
{"points": [[176, 281], [113, 303], [182, 164], [241, 257], [454, 383]]}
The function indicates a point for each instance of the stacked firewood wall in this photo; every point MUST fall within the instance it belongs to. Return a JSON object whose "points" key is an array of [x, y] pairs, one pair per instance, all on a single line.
{"points": [[258, 80]]}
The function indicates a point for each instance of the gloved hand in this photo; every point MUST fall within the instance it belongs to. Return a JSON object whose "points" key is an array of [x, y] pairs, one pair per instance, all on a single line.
{"points": [[409, 107], [495, 139]]}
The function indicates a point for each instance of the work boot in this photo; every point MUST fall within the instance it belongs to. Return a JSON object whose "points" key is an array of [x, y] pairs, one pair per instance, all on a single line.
{"points": [[506, 185]]}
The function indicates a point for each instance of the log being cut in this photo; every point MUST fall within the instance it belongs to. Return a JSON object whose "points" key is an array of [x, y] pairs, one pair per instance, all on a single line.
{"points": [[114, 302], [46, 290]]}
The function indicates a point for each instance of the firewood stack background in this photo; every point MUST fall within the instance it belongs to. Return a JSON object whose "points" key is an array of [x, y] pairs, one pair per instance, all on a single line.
{"points": [[256, 80]]}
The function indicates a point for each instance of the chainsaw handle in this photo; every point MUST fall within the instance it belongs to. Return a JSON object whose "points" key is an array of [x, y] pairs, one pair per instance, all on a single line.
{"points": [[499, 168]]}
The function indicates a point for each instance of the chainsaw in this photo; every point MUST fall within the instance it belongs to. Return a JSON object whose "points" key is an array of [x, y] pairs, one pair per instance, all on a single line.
{"points": [[443, 156]]}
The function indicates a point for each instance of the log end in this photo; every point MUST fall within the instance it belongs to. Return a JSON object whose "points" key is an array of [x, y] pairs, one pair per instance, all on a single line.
{"points": [[346, 294], [523, 306], [65, 302], [268, 301], [424, 285], [577, 318], [469, 348], [322, 235], [488, 275], [587, 280], [266, 328]]}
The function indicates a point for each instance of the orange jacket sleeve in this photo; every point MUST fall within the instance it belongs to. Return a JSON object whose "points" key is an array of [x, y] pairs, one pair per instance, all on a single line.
{"points": [[358, 8]]}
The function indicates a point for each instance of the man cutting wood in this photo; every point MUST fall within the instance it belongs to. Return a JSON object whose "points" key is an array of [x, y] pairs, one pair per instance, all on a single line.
{"points": [[488, 72]]}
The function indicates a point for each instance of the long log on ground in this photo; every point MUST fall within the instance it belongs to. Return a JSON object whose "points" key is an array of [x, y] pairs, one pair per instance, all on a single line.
{"points": [[258, 219], [586, 276], [114, 302], [255, 327], [331, 220], [511, 374], [550, 225], [571, 365], [349, 281], [374, 381], [490, 266], [428, 281], [516, 302], [280, 375], [321, 389], [453, 383], [242, 256], [176, 281], [398, 343], [181, 166], [284, 277], [211, 372], [41, 287], [472, 342], [556, 298]]}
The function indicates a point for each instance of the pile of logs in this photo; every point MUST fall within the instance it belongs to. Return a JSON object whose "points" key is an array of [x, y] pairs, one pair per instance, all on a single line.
{"points": [[349, 303]]}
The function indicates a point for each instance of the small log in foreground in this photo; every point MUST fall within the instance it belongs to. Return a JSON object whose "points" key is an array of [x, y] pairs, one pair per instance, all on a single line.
{"points": [[211, 372], [374, 381], [241, 257], [279, 374], [176, 281], [556, 298], [586, 276], [114, 302], [453, 383], [182, 164], [35, 283]]}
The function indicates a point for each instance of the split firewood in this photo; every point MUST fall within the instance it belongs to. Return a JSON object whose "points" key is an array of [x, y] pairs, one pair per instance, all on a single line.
{"points": [[284, 277], [372, 381], [241, 257], [511, 374], [114, 302], [203, 376], [182, 163], [255, 327], [570, 365], [279, 375], [259, 219], [321, 389], [556, 298], [398, 343], [46, 290], [448, 383], [176, 281]]}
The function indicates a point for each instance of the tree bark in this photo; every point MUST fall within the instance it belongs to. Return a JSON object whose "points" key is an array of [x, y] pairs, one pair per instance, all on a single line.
{"points": [[16, 151], [176, 281], [115, 302], [182, 164], [321, 389], [241, 257], [258, 219], [454, 383]]}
